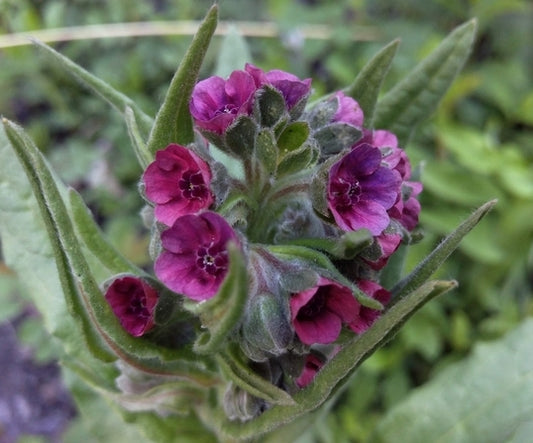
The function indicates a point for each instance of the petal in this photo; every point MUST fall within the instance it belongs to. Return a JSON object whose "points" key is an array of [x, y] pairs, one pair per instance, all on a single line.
{"points": [[324, 328]]}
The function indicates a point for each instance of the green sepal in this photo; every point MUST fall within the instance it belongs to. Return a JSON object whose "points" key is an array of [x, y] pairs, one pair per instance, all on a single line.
{"points": [[266, 150], [109, 94], [366, 86], [293, 137], [269, 106], [105, 337], [221, 314], [346, 247], [431, 263], [173, 123], [238, 371], [336, 372], [296, 161], [144, 157], [322, 265], [336, 137], [94, 240], [416, 96], [240, 137], [322, 113]]}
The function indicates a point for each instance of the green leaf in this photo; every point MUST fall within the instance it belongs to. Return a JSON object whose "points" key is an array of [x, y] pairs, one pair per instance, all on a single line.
{"points": [[366, 86], [173, 123], [144, 157], [292, 137], [431, 263], [244, 377], [233, 54], [326, 382], [112, 96], [84, 298], [484, 398], [93, 238], [415, 97], [221, 313]]}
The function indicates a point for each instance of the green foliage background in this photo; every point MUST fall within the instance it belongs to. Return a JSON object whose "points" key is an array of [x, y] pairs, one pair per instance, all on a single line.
{"points": [[478, 146]]}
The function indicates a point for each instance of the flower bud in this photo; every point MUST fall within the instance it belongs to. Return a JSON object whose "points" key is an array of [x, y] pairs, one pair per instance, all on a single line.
{"points": [[133, 301], [266, 324], [241, 405]]}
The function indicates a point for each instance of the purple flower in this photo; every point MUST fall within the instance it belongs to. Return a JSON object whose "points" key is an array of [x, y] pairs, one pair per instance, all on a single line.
{"points": [[311, 366], [387, 243], [291, 87], [318, 313], [178, 183], [216, 103], [361, 190], [194, 260], [348, 111], [368, 316], [406, 208], [133, 301]]}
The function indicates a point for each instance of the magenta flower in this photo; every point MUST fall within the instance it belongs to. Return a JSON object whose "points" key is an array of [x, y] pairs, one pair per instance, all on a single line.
{"points": [[133, 301], [361, 190], [388, 243], [291, 87], [194, 260], [216, 103], [318, 313], [367, 316], [311, 366], [406, 208], [348, 111], [178, 183]]}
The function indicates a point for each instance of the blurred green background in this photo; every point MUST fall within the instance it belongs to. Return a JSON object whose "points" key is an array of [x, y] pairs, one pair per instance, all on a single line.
{"points": [[478, 146]]}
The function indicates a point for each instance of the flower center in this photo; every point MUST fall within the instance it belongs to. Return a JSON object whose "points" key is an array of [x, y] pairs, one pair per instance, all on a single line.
{"points": [[137, 307], [212, 259], [314, 306], [227, 109], [192, 186], [346, 193]]}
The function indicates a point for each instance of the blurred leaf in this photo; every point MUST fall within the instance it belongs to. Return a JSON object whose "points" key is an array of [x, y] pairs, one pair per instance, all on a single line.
{"points": [[415, 97], [233, 54], [366, 86], [485, 398], [115, 98], [433, 261], [173, 123]]}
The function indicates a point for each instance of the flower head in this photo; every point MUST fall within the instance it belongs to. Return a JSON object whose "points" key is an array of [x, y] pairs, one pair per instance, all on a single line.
{"points": [[178, 183], [133, 301], [367, 316], [361, 190], [194, 260], [291, 87], [216, 103], [318, 313], [348, 111]]}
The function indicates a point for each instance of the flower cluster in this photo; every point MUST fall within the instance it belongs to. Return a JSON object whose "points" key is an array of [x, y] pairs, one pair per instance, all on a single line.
{"points": [[306, 179]]}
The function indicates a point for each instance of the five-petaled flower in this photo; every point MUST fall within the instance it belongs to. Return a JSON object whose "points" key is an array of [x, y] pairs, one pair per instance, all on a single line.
{"points": [[361, 190], [178, 183], [291, 87], [194, 260], [133, 301], [215, 102]]}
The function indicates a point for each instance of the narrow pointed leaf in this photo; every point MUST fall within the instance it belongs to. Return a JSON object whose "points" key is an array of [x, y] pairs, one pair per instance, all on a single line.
{"points": [[94, 238], [326, 382], [233, 54], [366, 86], [108, 93], [221, 314], [432, 262], [416, 97], [101, 328], [250, 381], [144, 157], [490, 390], [173, 123]]}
